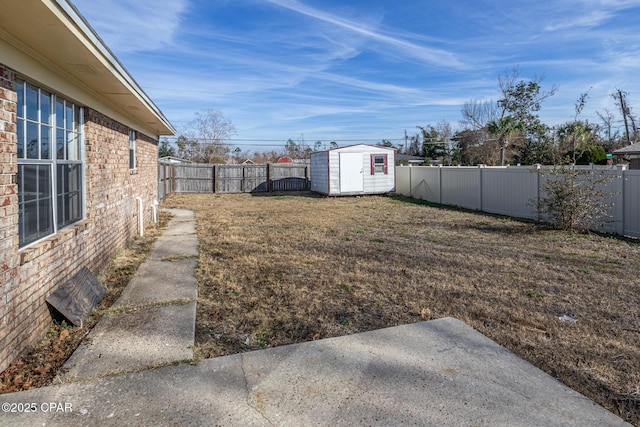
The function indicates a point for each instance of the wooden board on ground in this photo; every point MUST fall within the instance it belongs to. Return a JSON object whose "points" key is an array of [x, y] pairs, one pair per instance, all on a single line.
{"points": [[76, 298]]}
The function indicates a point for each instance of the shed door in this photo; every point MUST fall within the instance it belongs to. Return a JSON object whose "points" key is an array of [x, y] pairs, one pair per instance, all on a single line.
{"points": [[351, 173]]}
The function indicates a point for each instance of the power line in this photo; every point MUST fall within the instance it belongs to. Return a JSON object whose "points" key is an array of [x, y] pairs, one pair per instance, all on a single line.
{"points": [[277, 140], [240, 141]]}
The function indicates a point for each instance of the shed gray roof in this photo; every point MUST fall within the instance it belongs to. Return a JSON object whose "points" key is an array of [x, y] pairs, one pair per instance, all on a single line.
{"points": [[629, 149]]}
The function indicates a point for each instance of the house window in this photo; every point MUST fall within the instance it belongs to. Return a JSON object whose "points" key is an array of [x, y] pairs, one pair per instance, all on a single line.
{"points": [[132, 149], [379, 164], [50, 189]]}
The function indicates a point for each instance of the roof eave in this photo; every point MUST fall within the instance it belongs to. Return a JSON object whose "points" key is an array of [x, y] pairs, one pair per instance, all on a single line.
{"points": [[120, 71], [50, 41]]}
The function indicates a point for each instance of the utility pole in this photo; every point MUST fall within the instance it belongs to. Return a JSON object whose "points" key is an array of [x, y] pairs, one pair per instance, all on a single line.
{"points": [[405, 141]]}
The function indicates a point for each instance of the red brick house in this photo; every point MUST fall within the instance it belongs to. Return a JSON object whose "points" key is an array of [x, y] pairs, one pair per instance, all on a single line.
{"points": [[78, 160]]}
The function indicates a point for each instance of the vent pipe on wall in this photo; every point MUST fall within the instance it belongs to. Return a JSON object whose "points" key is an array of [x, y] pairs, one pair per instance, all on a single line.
{"points": [[140, 216], [155, 211]]}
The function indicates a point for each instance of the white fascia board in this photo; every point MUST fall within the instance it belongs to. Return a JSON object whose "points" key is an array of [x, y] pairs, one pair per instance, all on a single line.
{"points": [[93, 42]]}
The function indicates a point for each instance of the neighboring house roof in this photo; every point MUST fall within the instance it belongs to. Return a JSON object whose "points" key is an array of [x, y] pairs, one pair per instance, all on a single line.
{"points": [[171, 159], [629, 149], [68, 55], [410, 159]]}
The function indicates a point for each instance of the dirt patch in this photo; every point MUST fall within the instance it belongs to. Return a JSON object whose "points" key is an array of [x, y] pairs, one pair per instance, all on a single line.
{"points": [[39, 365], [277, 270]]}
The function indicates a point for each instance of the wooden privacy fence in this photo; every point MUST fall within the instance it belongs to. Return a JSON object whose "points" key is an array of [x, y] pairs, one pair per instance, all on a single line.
{"points": [[514, 191], [209, 178]]}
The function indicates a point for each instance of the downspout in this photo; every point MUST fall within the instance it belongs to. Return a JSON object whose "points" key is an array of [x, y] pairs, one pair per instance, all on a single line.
{"points": [[140, 216], [154, 206]]}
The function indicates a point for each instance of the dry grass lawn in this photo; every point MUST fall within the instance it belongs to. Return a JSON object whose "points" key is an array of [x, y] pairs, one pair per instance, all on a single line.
{"points": [[283, 269]]}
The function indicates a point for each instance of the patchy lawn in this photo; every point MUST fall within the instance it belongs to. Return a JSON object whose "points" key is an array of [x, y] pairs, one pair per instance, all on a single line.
{"points": [[276, 270]]}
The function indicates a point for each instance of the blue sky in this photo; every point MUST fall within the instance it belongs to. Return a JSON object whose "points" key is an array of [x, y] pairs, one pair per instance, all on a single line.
{"points": [[366, 70]]}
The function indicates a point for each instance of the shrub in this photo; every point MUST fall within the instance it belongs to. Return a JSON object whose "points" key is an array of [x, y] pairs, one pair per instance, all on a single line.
{"points": [[574, 199], [592, 154]]}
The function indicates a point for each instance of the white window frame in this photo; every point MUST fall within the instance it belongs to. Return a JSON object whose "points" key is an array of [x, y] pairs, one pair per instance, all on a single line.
{"points": [[379, 168], [71, 135]]}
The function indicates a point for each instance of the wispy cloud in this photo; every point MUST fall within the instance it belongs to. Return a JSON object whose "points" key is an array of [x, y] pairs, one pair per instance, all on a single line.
{"points": [[135, 26], [426, 54], [587, 14], [365, 68], [589, 19]]}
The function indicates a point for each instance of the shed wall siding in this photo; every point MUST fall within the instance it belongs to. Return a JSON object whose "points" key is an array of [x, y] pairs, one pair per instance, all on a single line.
{"points": [[379, 183], [320, 172], [334, 172], [111, 219]]}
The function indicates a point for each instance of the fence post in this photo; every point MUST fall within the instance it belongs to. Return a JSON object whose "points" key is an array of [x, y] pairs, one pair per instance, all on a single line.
{"points": [[538, 173], [440, 184], [163, 177], [619, 200], [480, 185], [243, 181], [410, 183], [160, 182], [269, 177], [168, 180], [172, 168], [216, 178]]}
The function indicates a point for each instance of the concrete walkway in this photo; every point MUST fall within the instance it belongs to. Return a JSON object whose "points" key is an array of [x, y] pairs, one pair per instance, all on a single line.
{"points": [[153, 322], [440, 372]]}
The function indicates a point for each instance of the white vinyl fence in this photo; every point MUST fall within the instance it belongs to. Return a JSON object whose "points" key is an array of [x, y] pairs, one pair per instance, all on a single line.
{"points": [[513, 191]]}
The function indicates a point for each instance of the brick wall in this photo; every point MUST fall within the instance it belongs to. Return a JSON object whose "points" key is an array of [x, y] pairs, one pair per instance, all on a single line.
{"points": [[31, 274], [9, 261]]}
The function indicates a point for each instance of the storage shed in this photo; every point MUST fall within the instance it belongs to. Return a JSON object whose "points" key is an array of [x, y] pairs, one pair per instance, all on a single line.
{"points": [[352, 170]]}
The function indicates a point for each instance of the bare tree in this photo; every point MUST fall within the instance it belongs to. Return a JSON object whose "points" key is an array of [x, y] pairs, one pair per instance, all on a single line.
{"points": [[415, 146], [474, 147], [445, 133], [266, 157], [240, 155], [297, 150], [611, 133], [476, 114], [210, 128], [577, 133], [620, 97], [187, 148]]}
